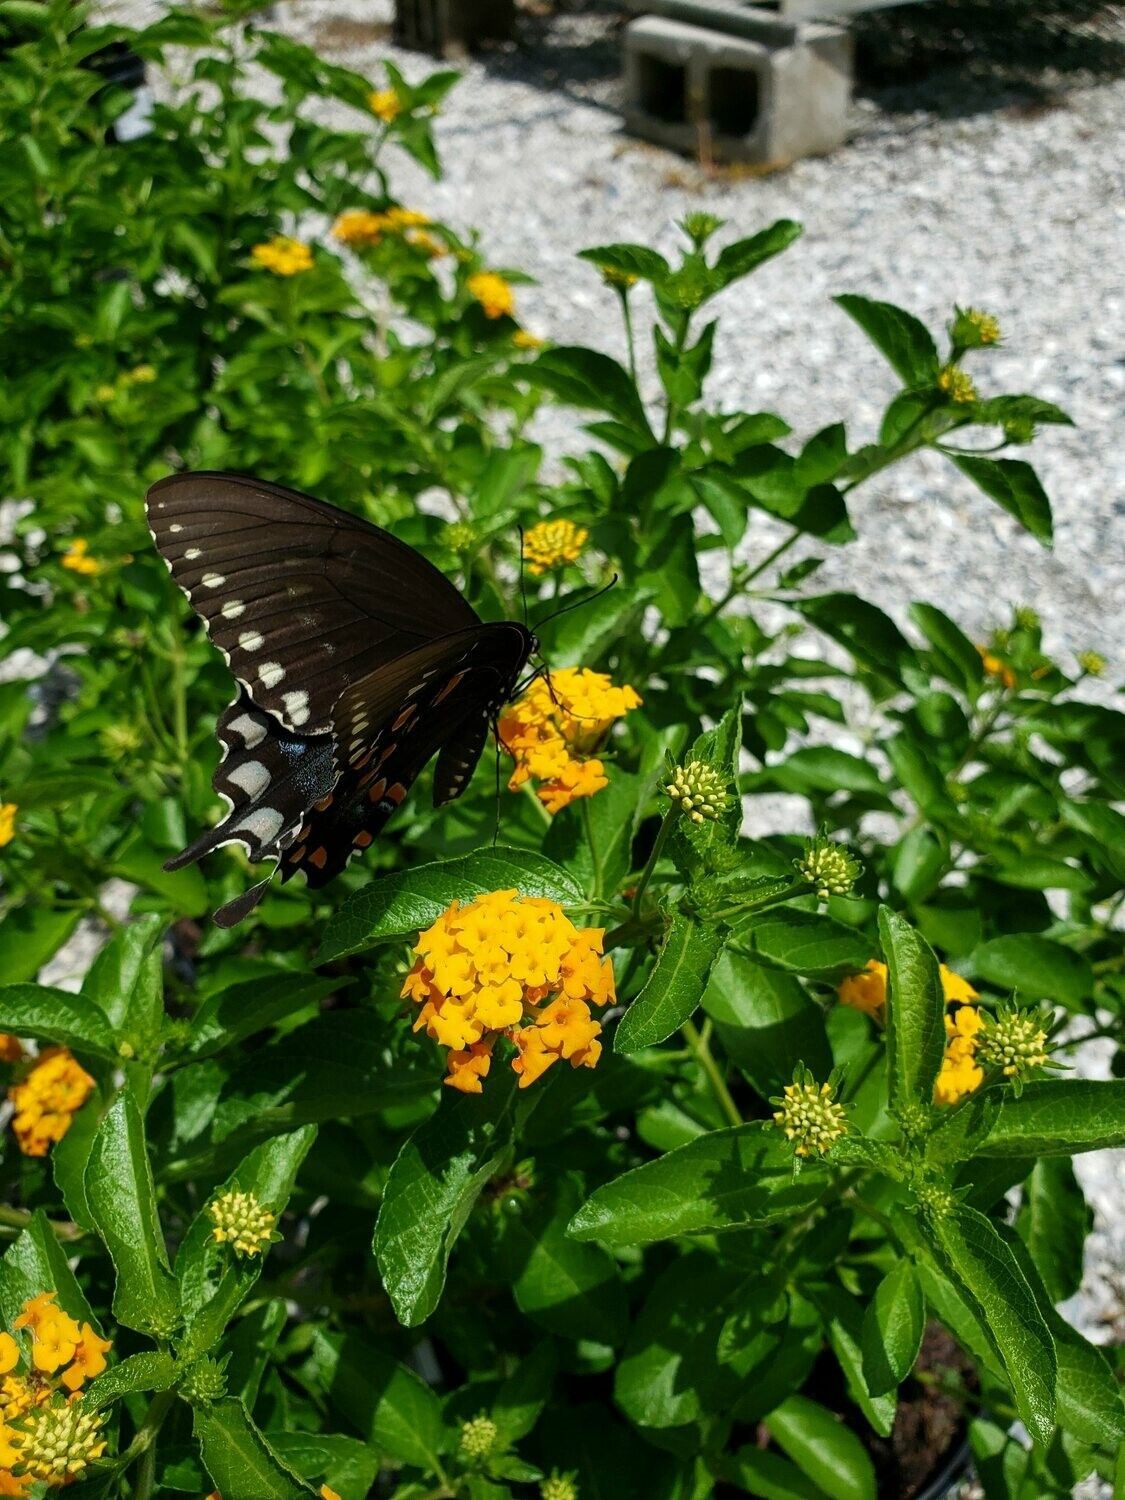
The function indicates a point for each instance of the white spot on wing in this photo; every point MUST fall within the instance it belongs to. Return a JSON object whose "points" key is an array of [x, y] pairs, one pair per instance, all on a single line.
{"points": [[252, 777], [213, 580], [192, 553], [264, 823], [270, 673], [297, 706], [251, 731], [175, 528], [251, 640], [232, 609]]}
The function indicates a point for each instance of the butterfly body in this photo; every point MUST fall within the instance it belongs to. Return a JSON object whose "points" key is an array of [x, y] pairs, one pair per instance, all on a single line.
{"points": [[357, 662]]}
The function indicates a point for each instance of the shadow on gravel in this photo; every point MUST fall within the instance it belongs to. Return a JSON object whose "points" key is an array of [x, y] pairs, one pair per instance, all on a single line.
{"points": [[949, 58]]}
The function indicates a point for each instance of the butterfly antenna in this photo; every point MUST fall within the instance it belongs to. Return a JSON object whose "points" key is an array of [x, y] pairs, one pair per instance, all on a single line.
{"points": [[523, 581], [577, 603], [496, 826]]}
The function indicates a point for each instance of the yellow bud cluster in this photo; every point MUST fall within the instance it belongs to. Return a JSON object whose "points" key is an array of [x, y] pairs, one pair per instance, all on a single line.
{"points": [[828, 867], [1015, 1042], [283, 256], [478, 1437], [810, 1117], [698, 789], [957, 384], [385, 105], [553, 544], [241, 1221]]}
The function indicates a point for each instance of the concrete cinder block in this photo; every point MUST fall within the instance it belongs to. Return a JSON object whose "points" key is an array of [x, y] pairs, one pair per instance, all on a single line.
{"points": [[453, 28], [766, 102]]}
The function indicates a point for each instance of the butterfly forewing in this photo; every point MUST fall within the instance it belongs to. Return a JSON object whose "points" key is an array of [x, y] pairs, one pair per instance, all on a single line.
{"points": [[357, 662], [302, 598]]}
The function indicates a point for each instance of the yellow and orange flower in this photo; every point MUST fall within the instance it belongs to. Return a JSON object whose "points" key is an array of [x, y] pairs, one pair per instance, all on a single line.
{"points": [[512, 966], [283, 256], [996, 666], [493, 293], [8, 812], [77, 559], [47, 1098], [553, 731], [385, 105], [553, 544]]}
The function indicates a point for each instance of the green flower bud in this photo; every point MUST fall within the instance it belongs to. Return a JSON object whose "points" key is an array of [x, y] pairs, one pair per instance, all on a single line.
{"points": [[58, 1441], [699, 789], [933, 1199], [1092, 663], [1015, 1041], [204, 1382], [559, 1487], [808, 1114], [1027, 618], [242, 1222], [699, 227], [957, 384], [460, 536], [478, 1437], [1019, 429], [973, 329], [829, 867]]}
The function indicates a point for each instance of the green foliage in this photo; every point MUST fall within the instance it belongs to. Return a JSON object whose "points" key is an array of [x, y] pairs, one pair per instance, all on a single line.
{"points": [[631, 1274]]}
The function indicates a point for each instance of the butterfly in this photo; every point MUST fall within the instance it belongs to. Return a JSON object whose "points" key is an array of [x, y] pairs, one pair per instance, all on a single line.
{"points": [[356, 662]]}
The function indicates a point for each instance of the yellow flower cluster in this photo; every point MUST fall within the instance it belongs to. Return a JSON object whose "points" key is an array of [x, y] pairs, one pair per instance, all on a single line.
{"points": [[509, 966], [957, 385], [241, 1221], [385, 105], [283, 256], [996, 666], [493, 293], [8, 812], [77, 558], [524, 339], [361, 228], [45, 1433], [809, 1116], [960, 1074], [553, 544], [47, 1099], [554, 729]]}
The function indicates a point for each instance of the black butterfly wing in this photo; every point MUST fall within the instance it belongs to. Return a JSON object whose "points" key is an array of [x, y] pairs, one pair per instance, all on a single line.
{"points": [[389, 726], [302, 598]]}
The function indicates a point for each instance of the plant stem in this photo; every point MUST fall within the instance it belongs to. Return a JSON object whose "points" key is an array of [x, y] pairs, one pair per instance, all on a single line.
{"points": [[657, 849], [143, 1446], [19, 1218], [627, 317], [702, 1051]]}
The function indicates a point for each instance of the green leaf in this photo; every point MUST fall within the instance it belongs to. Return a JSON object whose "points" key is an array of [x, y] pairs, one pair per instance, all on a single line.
{"points": [[185, 890], [524, 1393], [1057, 1117], [1053, 1223], [126, 981], [766, 1022], [903, 341], [893, 1326], [567, 1287], [585, 378], [871, 636], [725, 1180], [122, 1202], [806, 943], [34, 1263], [31, 936], [1039, 968], [743, 256], [633, 260], [915, 1012], [437, 1177], [52, 1015], [1103, 825], [213, 1280], [242, 1009], [845, 1320], [976, 1258], [1015, 486], [961, 659], [151, 1371], [390, 1405], [675, 986], [823, 1448], [397, 905], [768, 1476], [242, 1465]]}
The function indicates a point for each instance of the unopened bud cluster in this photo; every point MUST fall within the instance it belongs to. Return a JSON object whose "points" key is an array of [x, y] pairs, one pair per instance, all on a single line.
{"points": [[478, 1437], [1014, 1041], [242, 1222], [973, 329], [934, 1199], [957, 384], [58, 1441], [204, 1382], [829, 867], [699, 789], [809, 1116], [558, 1487], [460, 536], [615, 277], [1092, 663]]}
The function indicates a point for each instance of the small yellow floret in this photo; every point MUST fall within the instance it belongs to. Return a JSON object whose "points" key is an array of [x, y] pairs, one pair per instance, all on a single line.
{"points": [[553, 544], [957, 384], [810, 1117], [283, 256], [493, 293], [76, 558], [242, 1222], [8, 812], [385, 105]]}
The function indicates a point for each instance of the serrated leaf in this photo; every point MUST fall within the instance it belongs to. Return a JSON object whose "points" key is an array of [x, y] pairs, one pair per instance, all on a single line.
{"points": [[675, 987], [125, 980], [915, 1012], [976, 1258], [845, 1322], [382, 1399], [240, 1010], [1056, 1117], [397, 905], [150, 1371], [591, 380], [122, 1202], [766, 1022], [1036, 966], [51, 1015], [1053, 1223], [35, 1262], [437, 1177], [743, 256], [724, 1180], [242, 1465]]}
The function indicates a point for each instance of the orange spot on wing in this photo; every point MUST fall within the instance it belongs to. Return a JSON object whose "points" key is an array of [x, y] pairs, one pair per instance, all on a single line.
{"points": [[378, 789], [396, 793], [324, 804], [404, 717], [319, 857], [362, 839], [448, 688], [357, 762], [298, 854]]}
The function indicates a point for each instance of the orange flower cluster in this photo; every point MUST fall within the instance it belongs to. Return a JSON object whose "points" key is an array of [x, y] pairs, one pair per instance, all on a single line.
{"points": [[361, 228], [494, 294], [553, 730], [47, 1098], [512, 966], [46, 1436]]}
